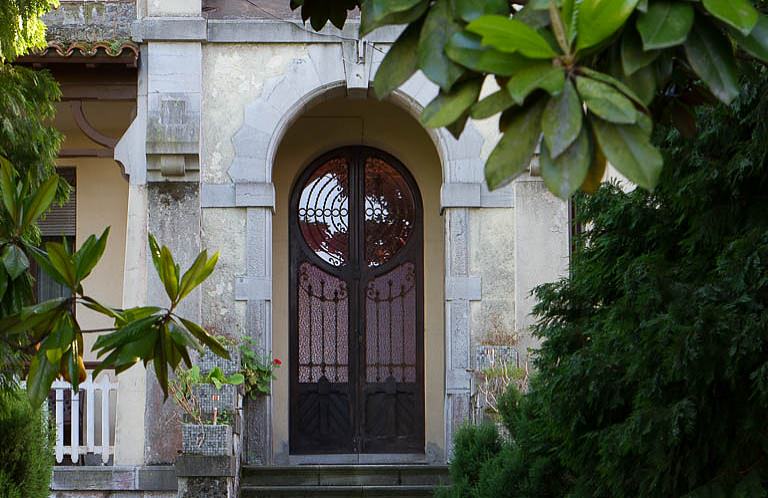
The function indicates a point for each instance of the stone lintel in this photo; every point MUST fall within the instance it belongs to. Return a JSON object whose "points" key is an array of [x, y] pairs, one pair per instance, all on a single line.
{"points": [[463, 289], [217, 195], [242, 195], [206, 466], [169, 29], [461, 195], [475, 195], [115, 478], [255, 195], [253, 289]]}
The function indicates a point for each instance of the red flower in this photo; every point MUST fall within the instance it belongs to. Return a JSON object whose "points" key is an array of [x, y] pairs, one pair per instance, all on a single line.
{"points": [[277, 362]]}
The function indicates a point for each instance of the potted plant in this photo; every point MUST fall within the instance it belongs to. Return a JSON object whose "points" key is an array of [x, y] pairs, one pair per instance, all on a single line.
{"points": [[206, 427], [258, 370]]}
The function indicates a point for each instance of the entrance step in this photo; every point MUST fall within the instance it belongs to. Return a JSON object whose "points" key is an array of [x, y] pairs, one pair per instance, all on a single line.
{"points": [[342, 481]]}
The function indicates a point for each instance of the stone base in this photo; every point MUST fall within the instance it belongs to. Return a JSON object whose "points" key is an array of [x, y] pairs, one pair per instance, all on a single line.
{"points": [[206, 476]]}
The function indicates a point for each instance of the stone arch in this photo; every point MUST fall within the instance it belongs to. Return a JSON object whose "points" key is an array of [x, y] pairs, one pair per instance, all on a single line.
{"points": [[314, 78], [311, 77]]}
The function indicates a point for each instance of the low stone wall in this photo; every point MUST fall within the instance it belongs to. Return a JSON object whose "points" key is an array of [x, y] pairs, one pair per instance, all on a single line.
{"points": [[114, 482], [91, 21]]}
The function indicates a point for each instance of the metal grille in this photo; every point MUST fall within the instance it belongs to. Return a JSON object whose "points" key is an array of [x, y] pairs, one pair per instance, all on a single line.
{"points": [[323, 326], [391, 326]]}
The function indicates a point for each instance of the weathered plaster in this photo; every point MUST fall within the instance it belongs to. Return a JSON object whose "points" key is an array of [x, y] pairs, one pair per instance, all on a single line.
{"points": [[234, 76], [492, 239], [541, 248], [222, 231]]}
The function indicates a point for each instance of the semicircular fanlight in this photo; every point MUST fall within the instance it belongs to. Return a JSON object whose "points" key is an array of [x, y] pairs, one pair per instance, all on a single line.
{"points": [[324, 212], [390, 211]]}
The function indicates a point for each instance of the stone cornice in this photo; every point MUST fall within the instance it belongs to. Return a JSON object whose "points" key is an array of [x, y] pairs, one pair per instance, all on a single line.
{"points": [[248, 31]]}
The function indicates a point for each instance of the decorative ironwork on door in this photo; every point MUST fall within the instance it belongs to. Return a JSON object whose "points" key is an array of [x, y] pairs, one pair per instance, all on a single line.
{"points": [[357, 326]]}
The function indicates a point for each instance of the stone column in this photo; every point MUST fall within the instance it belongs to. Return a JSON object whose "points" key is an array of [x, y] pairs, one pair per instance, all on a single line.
{"points": [[174, 82], [130, 153], [255, 288], [460, 289]]}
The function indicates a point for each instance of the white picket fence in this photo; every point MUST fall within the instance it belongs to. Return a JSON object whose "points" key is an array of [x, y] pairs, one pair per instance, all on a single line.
{"points": [[89, 388]]}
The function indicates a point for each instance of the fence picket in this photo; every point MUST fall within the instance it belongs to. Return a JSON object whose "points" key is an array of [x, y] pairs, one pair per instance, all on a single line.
{"points": [[105, 446], [59, 424], [75, 427], [89, 411], [60, 389]]}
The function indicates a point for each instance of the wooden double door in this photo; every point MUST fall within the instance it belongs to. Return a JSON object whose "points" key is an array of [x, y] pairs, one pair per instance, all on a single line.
{"points": [[356, 298]]}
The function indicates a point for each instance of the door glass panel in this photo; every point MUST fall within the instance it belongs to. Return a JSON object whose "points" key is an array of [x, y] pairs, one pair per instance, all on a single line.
{"points": [[390, 326], [390, 212], [323, 326], [324, 212]]}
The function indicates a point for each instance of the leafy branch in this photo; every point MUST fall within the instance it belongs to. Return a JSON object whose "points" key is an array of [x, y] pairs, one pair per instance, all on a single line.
{"points": [[589, 77]]}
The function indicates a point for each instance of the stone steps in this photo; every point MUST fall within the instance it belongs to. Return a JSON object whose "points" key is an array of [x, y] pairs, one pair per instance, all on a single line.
{"points": [[342, 481]]}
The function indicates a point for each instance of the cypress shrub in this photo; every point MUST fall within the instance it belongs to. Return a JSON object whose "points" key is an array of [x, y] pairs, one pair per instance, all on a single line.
{"points": [[652, 378], [26, 448]]}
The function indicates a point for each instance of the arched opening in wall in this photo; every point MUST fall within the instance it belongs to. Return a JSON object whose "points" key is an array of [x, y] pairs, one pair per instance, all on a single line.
{"points": [[380, 388]]}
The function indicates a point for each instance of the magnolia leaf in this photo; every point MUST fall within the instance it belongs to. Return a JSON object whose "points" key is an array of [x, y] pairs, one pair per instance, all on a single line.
{"points": [[545, 76], [512, 155], [89, 254], [170, 274], [204, 337], [512, 35], [605, 101], [710, 55], [377, 13], [492, 105], [448, 107], [562, 120], [633, 57], [62, 262], [628, 148], [565, 174], [739, 14], [41, 375], [466, 49], [596, 171], [599, 19], [469, 10], [665, 24], [14, 260], [437, 31], [610, 80], [643, 83], [400, 63], [8, 188], [200, 270], [756, 44], [41, 200]]}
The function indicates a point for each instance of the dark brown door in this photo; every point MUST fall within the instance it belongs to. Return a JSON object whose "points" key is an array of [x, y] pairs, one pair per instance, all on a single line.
{"points": [[356, 321]]}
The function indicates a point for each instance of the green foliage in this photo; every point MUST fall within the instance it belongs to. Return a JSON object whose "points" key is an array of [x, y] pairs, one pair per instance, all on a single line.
{"points": [[27, 442], [184, 393], [652, 379], [631, 62], [21, 28], [28, 138], [258, 370]]}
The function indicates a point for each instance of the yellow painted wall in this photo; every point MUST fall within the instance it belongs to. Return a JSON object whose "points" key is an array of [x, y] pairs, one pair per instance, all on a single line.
{"points": [[333, 124]]}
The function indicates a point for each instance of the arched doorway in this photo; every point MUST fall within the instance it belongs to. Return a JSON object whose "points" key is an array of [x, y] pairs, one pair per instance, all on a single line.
{"points": [[356, 306]]}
